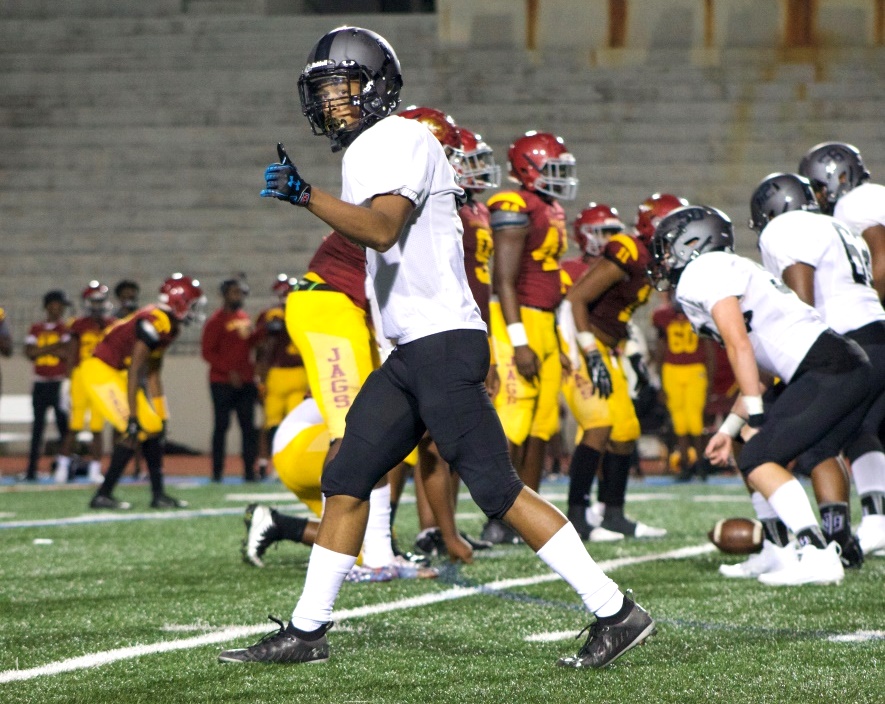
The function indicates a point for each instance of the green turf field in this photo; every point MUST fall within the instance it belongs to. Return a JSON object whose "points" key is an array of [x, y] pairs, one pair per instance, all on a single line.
{"points": [[137, 610]]}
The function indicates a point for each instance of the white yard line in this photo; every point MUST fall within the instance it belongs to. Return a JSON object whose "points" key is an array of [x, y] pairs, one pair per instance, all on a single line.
{"points": [[236, 632]]}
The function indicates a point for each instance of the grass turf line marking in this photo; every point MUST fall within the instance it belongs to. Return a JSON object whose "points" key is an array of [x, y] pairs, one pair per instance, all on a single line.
{"points": [[89, 518], [236, 632]]}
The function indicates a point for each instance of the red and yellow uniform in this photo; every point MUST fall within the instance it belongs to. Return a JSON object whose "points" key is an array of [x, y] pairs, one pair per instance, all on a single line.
{"points": [[531, 409], [286, 382], [478, 248], [105, 373], [326, 318], [683, 370], [48, 367], [609, 315], [88, 332], [589, 409]]}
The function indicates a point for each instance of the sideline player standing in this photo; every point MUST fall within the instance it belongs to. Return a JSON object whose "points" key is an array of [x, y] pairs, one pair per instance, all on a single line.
{"points": [[399, 201]]}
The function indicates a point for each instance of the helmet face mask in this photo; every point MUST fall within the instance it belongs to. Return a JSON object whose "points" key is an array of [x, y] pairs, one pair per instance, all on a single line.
{"points": [[684, 235], [476, 167], [96, 299], [833, 168], [541, 163], [594, 227], [283, 286], [780, 193], [183, 296], [352, 79]]}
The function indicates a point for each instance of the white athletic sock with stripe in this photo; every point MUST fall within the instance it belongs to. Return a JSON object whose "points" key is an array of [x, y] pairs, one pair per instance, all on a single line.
{"points": [[325, 575], [792, 506], [377, 550], [868, 471], [566, 555]]}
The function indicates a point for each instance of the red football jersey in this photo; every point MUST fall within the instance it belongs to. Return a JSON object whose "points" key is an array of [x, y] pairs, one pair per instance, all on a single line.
{"points": [[228, 339], [478, 249], [613, 309], [538, 284], [342, 264], [115, 348], [88, 332], [43, 334], [272, 323], [683, 346]]}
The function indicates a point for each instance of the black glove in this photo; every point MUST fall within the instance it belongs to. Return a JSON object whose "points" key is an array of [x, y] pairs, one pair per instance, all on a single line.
{"points": [[284, 182], [641, 370], [757, 420], [133, 428], [599, 375]]}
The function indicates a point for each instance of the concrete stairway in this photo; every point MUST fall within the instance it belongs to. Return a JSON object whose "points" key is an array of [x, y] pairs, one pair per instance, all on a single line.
{"points": [[135, 146]]}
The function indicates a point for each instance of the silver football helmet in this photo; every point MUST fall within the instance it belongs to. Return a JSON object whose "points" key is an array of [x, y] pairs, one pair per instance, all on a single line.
{"points": [[779, 193], [833, 168]]}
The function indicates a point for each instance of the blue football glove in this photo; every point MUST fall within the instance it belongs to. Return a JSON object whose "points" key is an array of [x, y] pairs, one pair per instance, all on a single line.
{"points": [[599, 375], [284, 182]]}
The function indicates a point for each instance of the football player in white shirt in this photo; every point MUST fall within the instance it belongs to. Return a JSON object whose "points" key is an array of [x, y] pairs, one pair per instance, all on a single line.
{"points": [[841, 184], [828, 266], [399, 201], [763, 324]]}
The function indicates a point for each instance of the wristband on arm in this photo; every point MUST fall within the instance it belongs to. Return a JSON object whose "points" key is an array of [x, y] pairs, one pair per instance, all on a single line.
{"points": [[732, 425], [517, 334]]}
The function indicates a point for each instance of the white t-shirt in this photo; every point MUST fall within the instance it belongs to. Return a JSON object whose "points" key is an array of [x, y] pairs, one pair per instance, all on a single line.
{"points": [[862, 207], [419, 283], [781, 327], [843, 291]]}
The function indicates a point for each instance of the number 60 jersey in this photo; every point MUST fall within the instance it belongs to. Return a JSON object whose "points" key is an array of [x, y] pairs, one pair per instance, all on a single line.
{"points": [[843, 290], [781, 327]]}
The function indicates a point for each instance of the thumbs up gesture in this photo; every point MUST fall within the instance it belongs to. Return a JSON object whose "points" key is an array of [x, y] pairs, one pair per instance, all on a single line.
{"points": [[283, 181]]}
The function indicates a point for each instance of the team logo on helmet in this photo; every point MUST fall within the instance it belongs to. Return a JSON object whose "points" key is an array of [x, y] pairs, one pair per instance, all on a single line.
{"points": [[183, 296], [833, 168], [541, 162], [594, 226], [780, 193]]}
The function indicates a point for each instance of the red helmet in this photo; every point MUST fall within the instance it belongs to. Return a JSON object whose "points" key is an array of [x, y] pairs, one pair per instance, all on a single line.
{"points": [[652, 210], [184, 297], [477, 167], [283, 286], [541, 162], [441, 125], [96, 298], [594, 225]]}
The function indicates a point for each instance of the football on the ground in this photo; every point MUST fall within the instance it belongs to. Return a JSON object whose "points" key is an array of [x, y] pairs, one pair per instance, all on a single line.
{"points": [[737, 536]]}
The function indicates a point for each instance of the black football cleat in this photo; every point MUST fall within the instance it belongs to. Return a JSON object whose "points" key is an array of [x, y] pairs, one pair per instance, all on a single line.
{"points": [[606, 642], [852, 556], [497, 532], [166, 501], [287, 646], [102, 501]]}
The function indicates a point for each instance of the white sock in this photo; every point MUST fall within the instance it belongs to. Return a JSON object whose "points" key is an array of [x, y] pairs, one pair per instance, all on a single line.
{"points": [[791, 504], [62, 463], [763, 509], [94, 468], [566, 555], [869, 473], [325, 575], [377, 550]]}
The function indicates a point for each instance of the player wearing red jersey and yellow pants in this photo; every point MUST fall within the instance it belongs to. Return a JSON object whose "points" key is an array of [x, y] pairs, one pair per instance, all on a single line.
{"points": [[683, 359], [132, 349], [528, 229], [281, 375], [86, 332], [603, 301]]}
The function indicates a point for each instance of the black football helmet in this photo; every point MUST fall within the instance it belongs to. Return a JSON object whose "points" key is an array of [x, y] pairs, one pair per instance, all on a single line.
{"points": [[833, 168], [347, 57], [779, 193], [683, 235]]}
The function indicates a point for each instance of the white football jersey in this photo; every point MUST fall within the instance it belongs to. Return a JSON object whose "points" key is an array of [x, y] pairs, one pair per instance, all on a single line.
{"points": [[419, 283], [862, 207], [781, 328], [843, 281]]}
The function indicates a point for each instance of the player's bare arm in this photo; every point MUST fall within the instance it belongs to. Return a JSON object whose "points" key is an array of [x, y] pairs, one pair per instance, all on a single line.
{"points": [[377, 226], [590, 287], [800, 278], [509, 245]]}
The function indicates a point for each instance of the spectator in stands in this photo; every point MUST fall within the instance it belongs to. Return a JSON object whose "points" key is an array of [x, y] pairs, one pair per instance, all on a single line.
{"points": [[47, 346], [228, 344], [126, 291]]}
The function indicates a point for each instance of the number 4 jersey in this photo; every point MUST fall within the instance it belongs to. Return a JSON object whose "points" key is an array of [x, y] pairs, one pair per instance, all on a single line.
{"points": [[781, 327], [843, 291]]}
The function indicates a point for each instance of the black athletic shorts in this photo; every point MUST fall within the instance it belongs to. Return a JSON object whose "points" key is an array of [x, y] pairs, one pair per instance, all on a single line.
{"points": [[434, 383]]}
